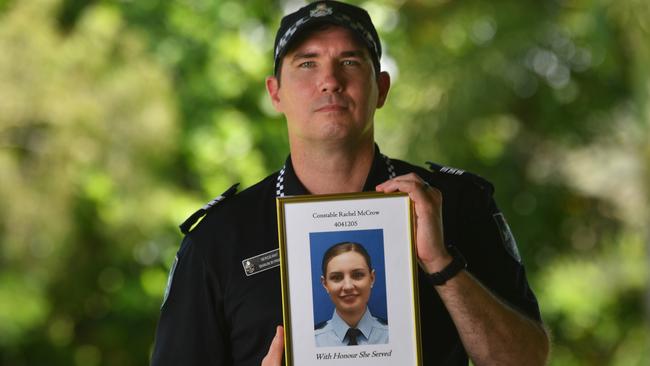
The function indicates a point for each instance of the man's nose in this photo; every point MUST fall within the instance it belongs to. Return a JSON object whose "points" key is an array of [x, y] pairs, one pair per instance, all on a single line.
{"points": [[331, 79]]}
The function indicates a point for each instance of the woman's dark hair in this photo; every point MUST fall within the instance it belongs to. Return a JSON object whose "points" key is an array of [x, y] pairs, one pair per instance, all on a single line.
{"points": [[344, 247]]}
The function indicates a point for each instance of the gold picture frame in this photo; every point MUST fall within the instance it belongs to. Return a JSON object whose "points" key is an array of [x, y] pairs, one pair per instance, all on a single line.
{"points": [[315, 306]]}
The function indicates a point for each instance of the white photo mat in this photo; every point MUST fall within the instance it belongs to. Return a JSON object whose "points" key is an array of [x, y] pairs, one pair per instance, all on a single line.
{"points": [[390, 215]]}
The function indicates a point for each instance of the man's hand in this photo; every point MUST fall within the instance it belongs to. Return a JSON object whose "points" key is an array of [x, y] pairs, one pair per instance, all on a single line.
{"points": [[492, 332], [276, 349], [432, 254]]}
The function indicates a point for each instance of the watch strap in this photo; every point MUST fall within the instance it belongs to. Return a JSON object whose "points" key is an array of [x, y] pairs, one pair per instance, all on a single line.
{"points": [[457, 264]]}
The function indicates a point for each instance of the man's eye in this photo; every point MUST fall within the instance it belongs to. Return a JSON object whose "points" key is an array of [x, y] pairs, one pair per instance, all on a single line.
{"points": [[307, 64], [350, 62]]}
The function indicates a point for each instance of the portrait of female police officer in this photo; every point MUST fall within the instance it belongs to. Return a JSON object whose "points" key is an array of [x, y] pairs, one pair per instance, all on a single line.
{"points": [[348, 278]]}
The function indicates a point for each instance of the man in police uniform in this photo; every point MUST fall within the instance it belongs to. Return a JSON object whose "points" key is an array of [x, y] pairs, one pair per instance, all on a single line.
{"points": [[223, 302]]}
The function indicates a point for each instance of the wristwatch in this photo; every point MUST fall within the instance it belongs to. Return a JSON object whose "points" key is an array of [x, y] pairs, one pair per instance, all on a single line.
{"points": [[457, 264]]}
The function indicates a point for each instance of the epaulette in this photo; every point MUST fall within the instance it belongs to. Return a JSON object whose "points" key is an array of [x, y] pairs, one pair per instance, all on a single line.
{"points": [[187, 225], [476, 179], [444, 169]]}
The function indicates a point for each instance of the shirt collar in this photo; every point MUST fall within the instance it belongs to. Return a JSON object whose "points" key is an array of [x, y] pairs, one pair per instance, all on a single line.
{"points": [[365, 324], [292, 185], [378, 174], [340, 327]]}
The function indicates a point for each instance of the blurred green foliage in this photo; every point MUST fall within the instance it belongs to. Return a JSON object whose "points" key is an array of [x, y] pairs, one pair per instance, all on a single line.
{"points": [[119, 118]]}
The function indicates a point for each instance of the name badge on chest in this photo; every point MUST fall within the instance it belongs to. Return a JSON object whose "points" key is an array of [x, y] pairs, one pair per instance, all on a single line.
{"points": [[261, 262]]}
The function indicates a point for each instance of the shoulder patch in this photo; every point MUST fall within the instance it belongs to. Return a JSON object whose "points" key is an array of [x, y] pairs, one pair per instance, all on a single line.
{"points": [[170, 278], [507, 238], [187, 225]]}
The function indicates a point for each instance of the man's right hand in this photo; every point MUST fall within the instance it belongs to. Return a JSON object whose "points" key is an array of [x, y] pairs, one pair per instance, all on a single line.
{"points": [[276, 349]]}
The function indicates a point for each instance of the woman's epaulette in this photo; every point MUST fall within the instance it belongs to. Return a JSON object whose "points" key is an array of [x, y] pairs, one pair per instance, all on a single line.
{"points": [[187, 225]]}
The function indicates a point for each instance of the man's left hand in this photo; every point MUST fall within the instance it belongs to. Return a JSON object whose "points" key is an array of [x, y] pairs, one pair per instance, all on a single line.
{"points": [[431, 251]]}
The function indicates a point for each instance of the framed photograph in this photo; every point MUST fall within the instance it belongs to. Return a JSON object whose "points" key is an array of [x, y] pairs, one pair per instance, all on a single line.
{"points": [[349, 279]]}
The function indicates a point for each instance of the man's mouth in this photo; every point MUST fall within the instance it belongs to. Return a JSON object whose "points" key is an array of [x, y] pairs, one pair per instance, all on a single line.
{"points": [[331, 103], [331, 108]]}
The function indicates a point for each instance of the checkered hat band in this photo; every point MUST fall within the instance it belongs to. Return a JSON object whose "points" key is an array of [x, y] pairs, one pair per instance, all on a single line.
{"points": [[343, 19]]}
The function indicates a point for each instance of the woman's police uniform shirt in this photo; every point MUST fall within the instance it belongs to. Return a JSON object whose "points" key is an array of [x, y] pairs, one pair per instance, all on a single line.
{"points": [[222, 306], [334, 332]]}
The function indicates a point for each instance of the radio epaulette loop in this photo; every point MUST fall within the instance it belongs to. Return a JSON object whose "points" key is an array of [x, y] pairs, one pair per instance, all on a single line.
{"points": [[187, 225], [444, 169], [479, 181]]}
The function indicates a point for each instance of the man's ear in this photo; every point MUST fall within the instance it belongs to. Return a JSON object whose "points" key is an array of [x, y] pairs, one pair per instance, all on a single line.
{"points": [[273, 88], [383, 85]]}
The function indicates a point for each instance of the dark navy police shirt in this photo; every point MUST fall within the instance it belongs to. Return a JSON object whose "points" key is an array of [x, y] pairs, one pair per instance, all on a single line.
{"points": [[217, 315]]}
